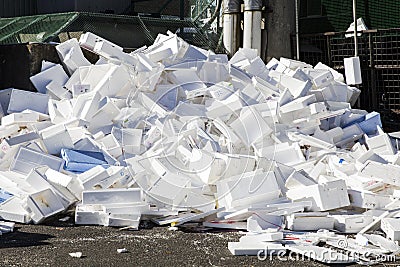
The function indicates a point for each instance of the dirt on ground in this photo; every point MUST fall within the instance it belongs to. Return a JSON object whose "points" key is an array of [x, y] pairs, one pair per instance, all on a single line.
{"points": [[49, 244]]}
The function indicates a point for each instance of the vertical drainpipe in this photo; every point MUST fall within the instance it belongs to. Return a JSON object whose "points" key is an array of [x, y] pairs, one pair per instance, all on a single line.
{"points": [[252, 24], [297, 30], [231, 32], [355, 28]]}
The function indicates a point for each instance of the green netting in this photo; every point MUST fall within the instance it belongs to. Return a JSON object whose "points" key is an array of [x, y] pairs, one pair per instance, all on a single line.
{"points": [[127, 31], [5, 22], [33, 28], [338, 14]]}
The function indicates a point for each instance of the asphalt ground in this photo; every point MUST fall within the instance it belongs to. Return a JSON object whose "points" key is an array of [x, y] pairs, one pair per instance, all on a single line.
{"points": [[49, 244]]}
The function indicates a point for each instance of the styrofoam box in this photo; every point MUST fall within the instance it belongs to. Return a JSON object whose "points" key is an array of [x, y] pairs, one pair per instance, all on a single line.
{"points": [[130, 139], [5, 95], [55, 73], [352, 70], [122, 220], [27, 159], [127, 209], [391, 226], [22, 119], [326, 196], [368, 199], [90, 215], [247, 189], [169, 189], [253, 249], [12, 210], [112, 196], [351, 223], [6, 131], [21, 100], [262, 237], [389, 173], [55, 138], [311, 223], [44, 204], [93, 176]]}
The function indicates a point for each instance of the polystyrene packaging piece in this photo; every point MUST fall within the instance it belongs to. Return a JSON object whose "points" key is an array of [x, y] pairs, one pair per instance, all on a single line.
{"points": [[20, 119], [352, 70], [5, 95], [21, 100], [27, 159], [124, 220], [262, 237], [391, 227], [55, 74], [56, 138], [89, 40], [169, 189], [338, 76], [368, 200], [380, 144], [91, 215], [371, 122], [351, 223], [360, 28], [66, 184], [80, 161], [93, 176], [71, 55], [259, 222], [13, 210], [130, 140], [388, 173], [6, 227], [112, 196], [327, 196], [179, 135], [40, 182], [311, 221], [246, 189], [256, 249], [44, 204]]}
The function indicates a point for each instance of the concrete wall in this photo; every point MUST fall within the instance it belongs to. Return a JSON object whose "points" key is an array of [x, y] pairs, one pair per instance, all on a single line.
{"points": [[280, 25]]}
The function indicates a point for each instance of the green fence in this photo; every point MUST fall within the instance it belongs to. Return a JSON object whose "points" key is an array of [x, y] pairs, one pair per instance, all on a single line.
{"points": [[127, 31], [336, 15], [379, 52]]}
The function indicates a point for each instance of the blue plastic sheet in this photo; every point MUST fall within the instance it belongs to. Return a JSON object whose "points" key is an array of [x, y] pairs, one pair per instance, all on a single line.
{"points": [[4, 195], [80, 161]]}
